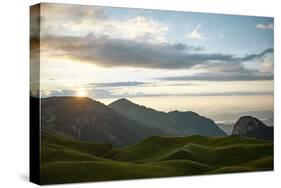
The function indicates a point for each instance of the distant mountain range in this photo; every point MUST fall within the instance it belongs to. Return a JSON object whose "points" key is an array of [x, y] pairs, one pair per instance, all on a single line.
{"points": [[88, 120], [175, 123], [121, 123]]}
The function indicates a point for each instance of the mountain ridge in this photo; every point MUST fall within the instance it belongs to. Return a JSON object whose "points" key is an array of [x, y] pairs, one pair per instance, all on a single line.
{"points": [[90, 120], [174, 122], [87, 119]]}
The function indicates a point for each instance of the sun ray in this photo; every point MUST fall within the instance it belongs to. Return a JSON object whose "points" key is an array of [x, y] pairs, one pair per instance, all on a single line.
{"points": [[81, 93]]}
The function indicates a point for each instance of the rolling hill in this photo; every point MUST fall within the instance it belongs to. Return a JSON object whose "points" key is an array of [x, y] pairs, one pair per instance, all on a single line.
{"points": [[65, 160]]}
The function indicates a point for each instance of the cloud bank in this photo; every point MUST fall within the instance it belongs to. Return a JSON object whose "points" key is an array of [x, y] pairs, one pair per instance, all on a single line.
{"points": [[238, 76], [117, 84], [106, 52], [106, 94]]}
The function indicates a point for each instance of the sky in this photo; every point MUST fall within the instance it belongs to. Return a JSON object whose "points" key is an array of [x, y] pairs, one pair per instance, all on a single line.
{"points": [[167, 60]]}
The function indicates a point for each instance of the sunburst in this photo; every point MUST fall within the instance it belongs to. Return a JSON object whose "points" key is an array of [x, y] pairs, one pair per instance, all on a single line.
{"points": [[81, 93]]}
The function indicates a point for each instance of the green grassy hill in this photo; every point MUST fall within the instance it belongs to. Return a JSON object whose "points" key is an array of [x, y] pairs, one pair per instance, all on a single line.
{"points": [[67, 160]]}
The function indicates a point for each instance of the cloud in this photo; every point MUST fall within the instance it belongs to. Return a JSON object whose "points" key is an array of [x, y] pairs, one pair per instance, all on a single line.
{"points": [[117, 84], [107, 52], [139, 28], [220, 66], [222, 76], [256, 56], [78, 20], [62, 18], [264, 26], [261, 69], [93, 93], [101, 93], [195, 34], [182, 84], [71, 12], [66, 92], [105, 94], [132, 84], [266, 65], [238, 93]]}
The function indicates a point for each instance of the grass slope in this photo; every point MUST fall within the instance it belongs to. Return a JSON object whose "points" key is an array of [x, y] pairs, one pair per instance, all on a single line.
{"points": [[66, 160]]}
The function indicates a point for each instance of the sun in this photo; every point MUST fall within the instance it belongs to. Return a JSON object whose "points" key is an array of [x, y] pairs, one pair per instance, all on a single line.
{"points": [[81, 93]]}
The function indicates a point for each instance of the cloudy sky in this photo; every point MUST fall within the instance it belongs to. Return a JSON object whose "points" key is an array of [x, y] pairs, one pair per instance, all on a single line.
{"points": [[167, 60]]}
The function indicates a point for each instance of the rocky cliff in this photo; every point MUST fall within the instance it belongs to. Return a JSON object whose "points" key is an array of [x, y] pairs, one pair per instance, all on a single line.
{"points": [[252, 127]]}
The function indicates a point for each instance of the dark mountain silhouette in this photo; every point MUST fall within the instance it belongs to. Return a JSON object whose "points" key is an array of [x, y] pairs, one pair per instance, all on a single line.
{"points": [[147, 116], [88, 120], [252, 127], [175, 123], [191, 123]]}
